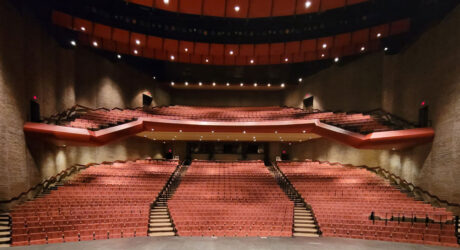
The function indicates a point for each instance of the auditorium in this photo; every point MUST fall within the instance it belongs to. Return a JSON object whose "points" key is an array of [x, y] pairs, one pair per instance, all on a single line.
{"points": [[230, 124]]}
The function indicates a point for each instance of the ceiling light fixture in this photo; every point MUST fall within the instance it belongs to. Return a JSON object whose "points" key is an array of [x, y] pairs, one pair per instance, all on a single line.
{"points": [[119, 57], [269, 85], [213, 84], [95, 44], [136, 52], [186, 49], [307, 4], [172, 83], [186, 83], [379, 34], [363, 48], [138, 42], [252, 61], [73, 43], [172, 57], [231, 52], [283, 85], [336, 59], [286, 59], [83, 28], [200, 84], [237, 8], [241, 84], [228, 84], [166, 1], [206, 60], [324, 45]]}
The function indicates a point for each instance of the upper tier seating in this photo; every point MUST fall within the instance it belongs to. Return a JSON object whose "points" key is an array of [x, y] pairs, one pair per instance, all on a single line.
{"points": [[343, 198], [101, 118], [101, 202], [230, 199]]}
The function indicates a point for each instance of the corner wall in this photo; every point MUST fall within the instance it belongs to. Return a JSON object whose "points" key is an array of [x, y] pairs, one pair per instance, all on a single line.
{"points": [[428, 70], [33, 64]]}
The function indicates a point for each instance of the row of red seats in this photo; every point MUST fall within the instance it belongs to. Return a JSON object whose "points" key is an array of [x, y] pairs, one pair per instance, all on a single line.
{"points": [[243, 200], [344, 209], [97, 208], [102, 118]]}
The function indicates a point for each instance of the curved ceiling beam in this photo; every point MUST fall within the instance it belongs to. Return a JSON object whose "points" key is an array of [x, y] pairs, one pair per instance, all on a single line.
{"points": [[378, 140], [129, 43], [246, 8]]}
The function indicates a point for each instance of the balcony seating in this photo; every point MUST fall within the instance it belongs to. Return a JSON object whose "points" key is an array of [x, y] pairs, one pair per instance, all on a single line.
{"points": [[230, 199], [100, 119], [343, 198], [101, 202]]}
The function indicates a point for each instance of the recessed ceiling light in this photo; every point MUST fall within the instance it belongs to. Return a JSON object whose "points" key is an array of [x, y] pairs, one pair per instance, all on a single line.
{"points": [[172, 57], [186, 83], [166, 1], [154, 77], [300, 79], [95, 44], [244, 132], [283, 85], [186, 49], [237, 8], [322, 55], [119, 57], [363, 48], [206, 60], [213, 84], [241, 84], [379, 34], [172, 83], [276, 132], [252, 61], [385, 49], [180, 131], [138, 42], [228, 84], [307, 4], [324, 45], [212, 131], [255, 84], [200, 84], [304, 131], [83, 28], [231, 52], [269, 85], [286, 59], [136, 52], [73, 43]]}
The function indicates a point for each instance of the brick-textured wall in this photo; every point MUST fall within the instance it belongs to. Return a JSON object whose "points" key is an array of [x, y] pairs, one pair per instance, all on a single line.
{"points": [[428, 70], [32, 63]]}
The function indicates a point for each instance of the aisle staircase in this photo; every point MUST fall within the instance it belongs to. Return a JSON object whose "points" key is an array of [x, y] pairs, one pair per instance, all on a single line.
{"points": [[305, 224], [160, 222], [5, 230]]}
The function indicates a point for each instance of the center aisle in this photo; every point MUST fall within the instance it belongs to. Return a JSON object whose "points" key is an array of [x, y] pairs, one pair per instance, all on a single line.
{"points": [[231, 199]]}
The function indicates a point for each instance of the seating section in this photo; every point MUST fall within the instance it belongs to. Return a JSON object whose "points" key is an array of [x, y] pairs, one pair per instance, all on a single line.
{"points": [[101, 202], [343, 199], [100, 119], [230, 199]]}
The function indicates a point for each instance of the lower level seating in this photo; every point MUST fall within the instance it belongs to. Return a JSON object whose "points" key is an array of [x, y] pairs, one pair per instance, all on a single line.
{"points": [[343, 199], [230, 199], [101, 202]]}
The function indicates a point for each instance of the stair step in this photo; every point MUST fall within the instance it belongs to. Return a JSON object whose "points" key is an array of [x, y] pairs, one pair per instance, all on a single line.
{"points": [[304, 221], [5, 233], [161, 229], [305, 225], [4, 223], [159, 213], [305, 230], [159, 220], [4, 245], [5, 239], [161, 224], [2, 228], [305, 235], [159, 209], [302, 212], [159, 217], [162, 234], [302, 217]]}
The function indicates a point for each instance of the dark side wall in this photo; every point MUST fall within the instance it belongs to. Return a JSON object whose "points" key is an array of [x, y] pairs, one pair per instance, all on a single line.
{"points": [[33, 64], [427, 70]]}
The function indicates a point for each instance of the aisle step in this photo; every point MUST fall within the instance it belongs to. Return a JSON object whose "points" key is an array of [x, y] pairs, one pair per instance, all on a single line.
{"points": [[312, 235], [162, 234], [161, 229], [161, 224], [309, 225], [305, 230], [5, 233], [160, 221]]}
